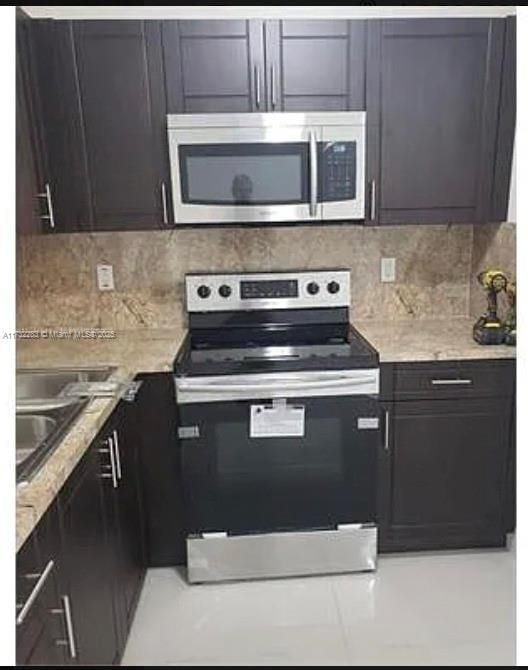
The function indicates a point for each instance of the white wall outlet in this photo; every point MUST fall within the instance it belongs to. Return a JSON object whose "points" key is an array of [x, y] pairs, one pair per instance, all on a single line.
{"points": [[105, 278], [388, 270]]}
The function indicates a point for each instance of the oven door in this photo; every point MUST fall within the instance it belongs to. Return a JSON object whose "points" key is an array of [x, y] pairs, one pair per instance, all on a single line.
{"points": [[240, 175], [259, 466]]}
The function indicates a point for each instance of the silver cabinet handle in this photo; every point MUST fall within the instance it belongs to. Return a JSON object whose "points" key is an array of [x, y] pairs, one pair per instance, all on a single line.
{"points": [[313, 175], [34, 593], [373, 200], [257, 86], [164, 203], [66, 612], [272, 87], [451, 382], [117, 455], [50, 215], [386, 446], [113, 472]]}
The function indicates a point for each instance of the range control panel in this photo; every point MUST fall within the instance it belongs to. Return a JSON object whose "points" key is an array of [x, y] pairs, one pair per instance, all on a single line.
{"points": [[293, 290]]}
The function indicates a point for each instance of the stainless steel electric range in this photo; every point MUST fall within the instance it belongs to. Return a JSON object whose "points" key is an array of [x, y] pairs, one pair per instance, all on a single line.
{"points": [[279, 427]]}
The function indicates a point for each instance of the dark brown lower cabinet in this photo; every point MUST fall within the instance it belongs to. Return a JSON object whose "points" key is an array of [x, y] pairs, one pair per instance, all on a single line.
{"points": [[42, 637], [88, 560], [443, 469], [96, 546]]}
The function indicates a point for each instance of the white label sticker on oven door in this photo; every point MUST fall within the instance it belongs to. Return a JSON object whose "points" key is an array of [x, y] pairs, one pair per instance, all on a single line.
{"points": [[278, 420]]}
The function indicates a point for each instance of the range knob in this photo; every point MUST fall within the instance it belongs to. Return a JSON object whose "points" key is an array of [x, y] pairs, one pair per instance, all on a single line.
{"points": [[204, 291], [225, 291], [313, 288], [333, 287]]}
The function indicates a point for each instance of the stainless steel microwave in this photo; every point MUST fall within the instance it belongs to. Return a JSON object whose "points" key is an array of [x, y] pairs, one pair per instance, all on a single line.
{"points": [[244, 168]]}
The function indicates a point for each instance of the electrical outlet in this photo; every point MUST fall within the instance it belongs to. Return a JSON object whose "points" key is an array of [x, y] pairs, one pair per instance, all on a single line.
{"points": [[105, 278], [388, 270]]}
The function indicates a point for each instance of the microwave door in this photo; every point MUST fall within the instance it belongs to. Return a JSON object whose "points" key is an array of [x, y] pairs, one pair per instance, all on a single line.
{"points": [[244, 175], [342, 172]]}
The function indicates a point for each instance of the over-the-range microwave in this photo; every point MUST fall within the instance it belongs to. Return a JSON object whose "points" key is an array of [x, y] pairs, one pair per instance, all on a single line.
{"points": [[275, 167]]}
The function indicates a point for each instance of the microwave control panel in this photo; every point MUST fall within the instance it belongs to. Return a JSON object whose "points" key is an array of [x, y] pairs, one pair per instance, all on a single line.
{"points": [[338, 171]]}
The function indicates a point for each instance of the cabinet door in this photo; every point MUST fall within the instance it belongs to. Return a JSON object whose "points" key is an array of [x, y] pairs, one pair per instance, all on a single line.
{"points": [[65, 166], [161, 471], [121, 92], [506, 132], [443, 474], [315, 65], [433, 89], [127, 511], [41, 631], [214, 66], [88, 561], [27, 149]]}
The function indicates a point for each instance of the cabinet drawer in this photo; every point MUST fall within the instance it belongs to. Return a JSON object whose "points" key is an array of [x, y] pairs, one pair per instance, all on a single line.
{"points": [[454, 379]]}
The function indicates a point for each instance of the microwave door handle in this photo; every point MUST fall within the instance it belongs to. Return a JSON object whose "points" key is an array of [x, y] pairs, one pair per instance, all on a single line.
{"points": [[313, 175]]}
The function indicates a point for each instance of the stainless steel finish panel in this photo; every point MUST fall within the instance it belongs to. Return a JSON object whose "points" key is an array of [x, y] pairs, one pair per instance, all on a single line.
{"points": [[274, 127], [305, 384], [215, 303], [265, 120], [216, 559]]}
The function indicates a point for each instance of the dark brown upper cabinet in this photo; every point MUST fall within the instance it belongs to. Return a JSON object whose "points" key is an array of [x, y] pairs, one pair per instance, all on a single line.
{"points": [[264, 66], [64, 179], [120, 78], [28, 141], [214, 66], [315, 65], [433, 95], [103, 111]]}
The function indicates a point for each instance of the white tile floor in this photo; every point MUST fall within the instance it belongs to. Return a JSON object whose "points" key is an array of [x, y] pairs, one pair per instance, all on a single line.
{"points": [[432, 609]]}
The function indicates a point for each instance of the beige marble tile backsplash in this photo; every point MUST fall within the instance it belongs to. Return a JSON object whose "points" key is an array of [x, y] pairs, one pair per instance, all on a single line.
{"points": [[56, 281]]}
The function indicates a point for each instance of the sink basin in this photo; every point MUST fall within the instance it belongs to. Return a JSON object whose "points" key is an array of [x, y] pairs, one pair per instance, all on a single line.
{"points": [[31, 431], [40, 390], [43, 416]]}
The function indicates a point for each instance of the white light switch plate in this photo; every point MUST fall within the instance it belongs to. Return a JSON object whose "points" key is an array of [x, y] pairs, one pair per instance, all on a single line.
{"points": [[388, 270], [105, 278]]}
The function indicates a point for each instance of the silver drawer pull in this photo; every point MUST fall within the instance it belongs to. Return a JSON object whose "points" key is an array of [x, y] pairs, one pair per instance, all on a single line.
{"points": [[66, 612], [387, 431], [451, 382], [35, 593], [117, 455]]}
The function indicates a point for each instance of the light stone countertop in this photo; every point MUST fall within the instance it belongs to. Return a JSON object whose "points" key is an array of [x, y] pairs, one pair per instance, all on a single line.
{"points": [[153, 350], [131, 352], [428, 340]]}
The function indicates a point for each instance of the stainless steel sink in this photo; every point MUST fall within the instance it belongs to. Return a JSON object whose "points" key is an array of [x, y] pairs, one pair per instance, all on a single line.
{"points": [[40, 390], [31, 431], [43, 415]]}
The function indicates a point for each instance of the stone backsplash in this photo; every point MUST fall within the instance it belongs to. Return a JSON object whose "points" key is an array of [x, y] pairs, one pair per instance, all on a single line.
{"points": [[56, 280]]}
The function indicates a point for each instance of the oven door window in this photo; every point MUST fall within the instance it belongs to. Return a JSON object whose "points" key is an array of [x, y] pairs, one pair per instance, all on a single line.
{"points": [[244, 174], [241, 484]]}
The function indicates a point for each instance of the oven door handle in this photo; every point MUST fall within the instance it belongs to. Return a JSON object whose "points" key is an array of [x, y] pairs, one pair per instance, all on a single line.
{"points": [[278, 386]]}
